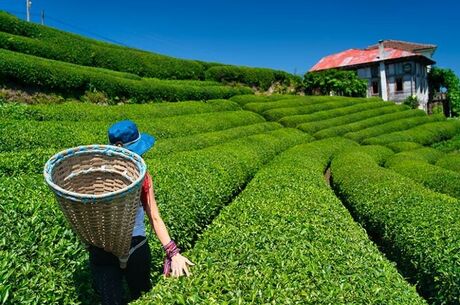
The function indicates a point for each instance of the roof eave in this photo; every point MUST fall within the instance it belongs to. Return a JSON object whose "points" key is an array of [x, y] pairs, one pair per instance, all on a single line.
{"points": [[421, 57]]}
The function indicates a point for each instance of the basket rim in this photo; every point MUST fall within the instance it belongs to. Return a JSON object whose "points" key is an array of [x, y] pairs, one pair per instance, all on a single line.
{"points": [[87, 149]]}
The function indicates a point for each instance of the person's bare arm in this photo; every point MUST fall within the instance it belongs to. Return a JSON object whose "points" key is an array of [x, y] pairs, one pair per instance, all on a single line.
{"points": [[153, 214], [178, 262]]}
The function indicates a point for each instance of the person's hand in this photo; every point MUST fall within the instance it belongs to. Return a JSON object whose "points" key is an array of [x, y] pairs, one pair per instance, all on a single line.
{"points": [[179, 265]]}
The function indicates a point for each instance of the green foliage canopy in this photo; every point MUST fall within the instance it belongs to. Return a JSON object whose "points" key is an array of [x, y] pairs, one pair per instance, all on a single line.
{"points": [[340, 82], [445, 78]]}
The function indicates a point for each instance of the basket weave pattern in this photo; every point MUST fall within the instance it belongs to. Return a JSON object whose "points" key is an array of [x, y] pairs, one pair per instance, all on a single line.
{"points": [[98, 190]]}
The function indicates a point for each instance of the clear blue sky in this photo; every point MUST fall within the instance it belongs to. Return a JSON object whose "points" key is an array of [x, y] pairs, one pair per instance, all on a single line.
{"points": [[285, 34]]}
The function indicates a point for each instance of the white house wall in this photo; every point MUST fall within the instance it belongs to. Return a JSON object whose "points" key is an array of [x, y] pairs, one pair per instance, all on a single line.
{"points": [[414, 83]]}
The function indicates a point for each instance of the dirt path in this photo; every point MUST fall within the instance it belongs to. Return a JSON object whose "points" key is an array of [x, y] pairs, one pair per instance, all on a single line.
{"points": [[327, 176]]}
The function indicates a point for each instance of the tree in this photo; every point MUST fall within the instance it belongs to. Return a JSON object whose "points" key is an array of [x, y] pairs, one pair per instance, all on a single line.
{"points": [[337, 82], [438, 79]]}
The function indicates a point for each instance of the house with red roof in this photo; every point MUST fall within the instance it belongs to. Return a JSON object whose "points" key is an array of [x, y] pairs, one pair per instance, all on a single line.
{"points": [[394, 69]]}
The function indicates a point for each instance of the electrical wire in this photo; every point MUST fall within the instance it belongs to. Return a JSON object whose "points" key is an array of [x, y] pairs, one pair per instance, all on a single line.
{"points": [[77, 28]]}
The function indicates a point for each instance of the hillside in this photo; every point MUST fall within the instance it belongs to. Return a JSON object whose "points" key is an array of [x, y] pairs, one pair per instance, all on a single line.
{"points": [[41, 41]]}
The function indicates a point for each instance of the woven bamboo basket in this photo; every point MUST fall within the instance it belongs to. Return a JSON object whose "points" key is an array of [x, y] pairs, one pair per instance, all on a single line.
{"points": [[98, 189]]}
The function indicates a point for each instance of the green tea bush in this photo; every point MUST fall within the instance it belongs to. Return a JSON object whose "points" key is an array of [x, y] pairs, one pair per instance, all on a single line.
{"points": [[403, 146], [203, 140], [199, 83], [356, 121], [31, 161], [450, 145], [341, 120], [419, 165], [192, 187], [18, 135], [450, 162], [29, 38], [327, 114], [256, 77], [42, 262], [380, 154], [287, 239], [433, 177], [250, 98], [296, 103], [74, 111], [46, 42], [24, 162], [417, 228], [293, 101], [424, 154], [367, 123], [391, 127], [71, 79], [49, 263], [296, 112], [425, 134]]}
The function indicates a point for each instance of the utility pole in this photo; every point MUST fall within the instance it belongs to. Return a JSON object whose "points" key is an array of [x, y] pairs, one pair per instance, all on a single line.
{"points": [[28, 5], [43, 17]]}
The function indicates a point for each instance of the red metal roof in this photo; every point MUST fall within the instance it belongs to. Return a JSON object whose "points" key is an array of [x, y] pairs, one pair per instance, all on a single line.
{"points": [[355, 57], [404, 45]]}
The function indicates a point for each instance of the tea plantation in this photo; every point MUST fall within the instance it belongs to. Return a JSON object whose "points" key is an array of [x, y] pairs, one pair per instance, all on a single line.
{"points": [[240, 184], [279, 199]]}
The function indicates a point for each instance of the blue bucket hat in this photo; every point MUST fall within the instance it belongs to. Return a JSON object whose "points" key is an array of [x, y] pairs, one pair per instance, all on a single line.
{"points": [[127, 134]]}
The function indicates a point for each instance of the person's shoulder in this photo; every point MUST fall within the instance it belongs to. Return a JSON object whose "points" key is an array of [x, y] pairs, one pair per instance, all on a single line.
{"points": [[147, 179]]}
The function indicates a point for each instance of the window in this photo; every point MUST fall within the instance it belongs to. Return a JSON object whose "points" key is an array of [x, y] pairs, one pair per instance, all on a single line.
{"points": [[375, 87], [399, 84], [407, 68], [375, 71]]}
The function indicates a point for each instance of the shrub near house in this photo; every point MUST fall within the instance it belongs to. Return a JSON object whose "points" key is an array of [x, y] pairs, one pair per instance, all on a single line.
{"points": [[338, 82]]}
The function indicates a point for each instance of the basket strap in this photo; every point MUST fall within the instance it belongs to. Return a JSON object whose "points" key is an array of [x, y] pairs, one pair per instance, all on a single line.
{"points": [[124, 260]]}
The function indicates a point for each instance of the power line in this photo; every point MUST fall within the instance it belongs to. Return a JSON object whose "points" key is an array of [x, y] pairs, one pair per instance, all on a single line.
{"points": [[86, 31], [77, 28]]}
